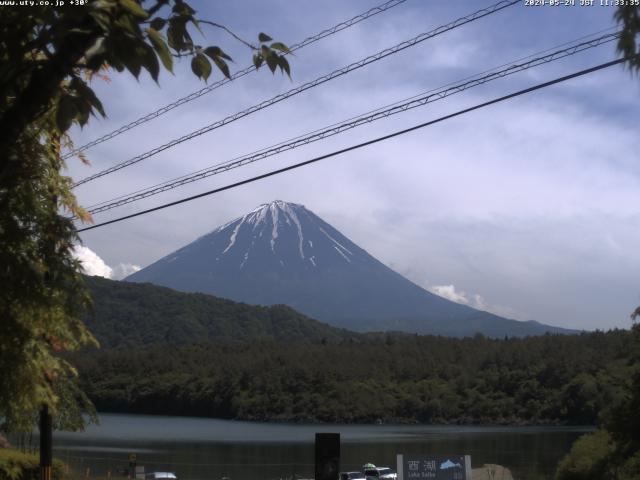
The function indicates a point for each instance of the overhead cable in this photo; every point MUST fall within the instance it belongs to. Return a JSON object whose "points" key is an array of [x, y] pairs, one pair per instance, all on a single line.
{"points": [[306, 86], [573, 42], [363, 144], [369, 117], [241, 73]]}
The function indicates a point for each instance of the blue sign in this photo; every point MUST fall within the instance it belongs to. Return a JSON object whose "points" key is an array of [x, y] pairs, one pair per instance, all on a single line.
{"points": [[434, 467]]}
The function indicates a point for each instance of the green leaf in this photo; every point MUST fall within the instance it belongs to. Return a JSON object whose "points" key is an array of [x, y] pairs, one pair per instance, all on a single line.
{"points": [[158, 23], [177, 35], [225, 56], [101, 18], [150, 61], [161, 48], [84, 110], [129, 24], [119, 66], [214, 52], [96, 103], [66, 112], [133, 7], [222, 65], [81, 31], [280, 46], [82, 90], [172, 36], [201, 66], [130, 60], [125, 51], [115, 62], [263, 37], [133, 66], [284, 65], [257, 60], [272, 61]]}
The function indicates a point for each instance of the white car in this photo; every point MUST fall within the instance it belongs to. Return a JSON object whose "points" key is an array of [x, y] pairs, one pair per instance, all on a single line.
{"points": [[160, 476], [380, 473]]}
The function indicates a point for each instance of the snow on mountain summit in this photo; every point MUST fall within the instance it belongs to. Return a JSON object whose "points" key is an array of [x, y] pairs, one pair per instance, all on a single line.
{"points": [[277, 225]]}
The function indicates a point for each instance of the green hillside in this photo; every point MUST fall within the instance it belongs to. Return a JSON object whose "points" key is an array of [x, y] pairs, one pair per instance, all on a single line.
{"points": [[131, 315], [232, 360]]}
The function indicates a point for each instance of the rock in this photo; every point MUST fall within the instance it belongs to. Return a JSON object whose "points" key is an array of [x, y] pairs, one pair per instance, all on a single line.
{"points": [[491, 472]]}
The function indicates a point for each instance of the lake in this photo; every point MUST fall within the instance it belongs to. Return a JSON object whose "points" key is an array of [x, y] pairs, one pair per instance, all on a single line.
{"points": [[208, 449]]}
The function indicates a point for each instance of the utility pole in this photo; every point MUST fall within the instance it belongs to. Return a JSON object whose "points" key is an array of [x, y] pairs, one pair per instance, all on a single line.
{"points": [[46, 443], [327, 448], [46, 423]]}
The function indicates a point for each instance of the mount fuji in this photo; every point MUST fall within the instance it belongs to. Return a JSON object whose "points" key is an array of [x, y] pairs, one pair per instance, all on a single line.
{"points": [[282, 253]]}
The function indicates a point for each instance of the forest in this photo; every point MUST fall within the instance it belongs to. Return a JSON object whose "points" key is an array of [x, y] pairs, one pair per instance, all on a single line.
{"points": [[131, 315], [550, 379]]}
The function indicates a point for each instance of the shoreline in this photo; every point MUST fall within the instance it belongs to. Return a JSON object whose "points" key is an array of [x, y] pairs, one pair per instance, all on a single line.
{"points": [[390, 422]]}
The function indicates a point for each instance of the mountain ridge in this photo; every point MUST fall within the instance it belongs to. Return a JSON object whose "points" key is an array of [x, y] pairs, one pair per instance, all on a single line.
{"points": [[282, 253]]}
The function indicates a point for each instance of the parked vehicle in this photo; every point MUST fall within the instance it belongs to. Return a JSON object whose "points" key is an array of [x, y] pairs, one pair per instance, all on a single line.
{"points": [[380, 473], [352, 476], [160, 476]]}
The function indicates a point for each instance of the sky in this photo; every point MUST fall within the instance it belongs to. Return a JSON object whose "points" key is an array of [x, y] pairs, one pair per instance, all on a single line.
{"points": [[529, 208]]}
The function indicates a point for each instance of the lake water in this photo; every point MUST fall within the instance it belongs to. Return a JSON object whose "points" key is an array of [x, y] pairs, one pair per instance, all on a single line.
{"points": [[207, 449]]}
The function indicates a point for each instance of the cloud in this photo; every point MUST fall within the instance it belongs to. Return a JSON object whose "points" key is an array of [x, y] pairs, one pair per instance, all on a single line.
{"points": [[93, 265], [449, 292], [474, 300], [123, 270]]}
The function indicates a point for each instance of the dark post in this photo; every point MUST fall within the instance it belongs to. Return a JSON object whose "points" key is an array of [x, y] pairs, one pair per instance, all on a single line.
{"points": [[46, 441], [327, 456], [133, 459]]}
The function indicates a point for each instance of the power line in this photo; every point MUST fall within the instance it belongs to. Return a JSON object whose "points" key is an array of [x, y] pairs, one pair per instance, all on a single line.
{"points": [[188, 178], [241, 73], [364, 144], [314, 83], [337, 128]]}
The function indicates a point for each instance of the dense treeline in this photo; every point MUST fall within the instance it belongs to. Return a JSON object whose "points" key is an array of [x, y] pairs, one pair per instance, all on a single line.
{"points": [[613, 451], [130, 315], [393, 378]]}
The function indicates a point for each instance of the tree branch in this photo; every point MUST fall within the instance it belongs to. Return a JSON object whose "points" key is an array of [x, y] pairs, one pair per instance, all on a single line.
{"points": [[230, 32]]}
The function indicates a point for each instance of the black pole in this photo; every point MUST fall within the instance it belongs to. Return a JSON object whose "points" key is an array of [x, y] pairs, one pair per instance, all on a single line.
{"points": [[327, 456], [46, 443]]}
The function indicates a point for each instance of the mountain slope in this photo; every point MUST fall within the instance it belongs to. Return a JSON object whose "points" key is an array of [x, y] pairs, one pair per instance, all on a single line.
{"points": [[133, 315], [282, 253]]}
